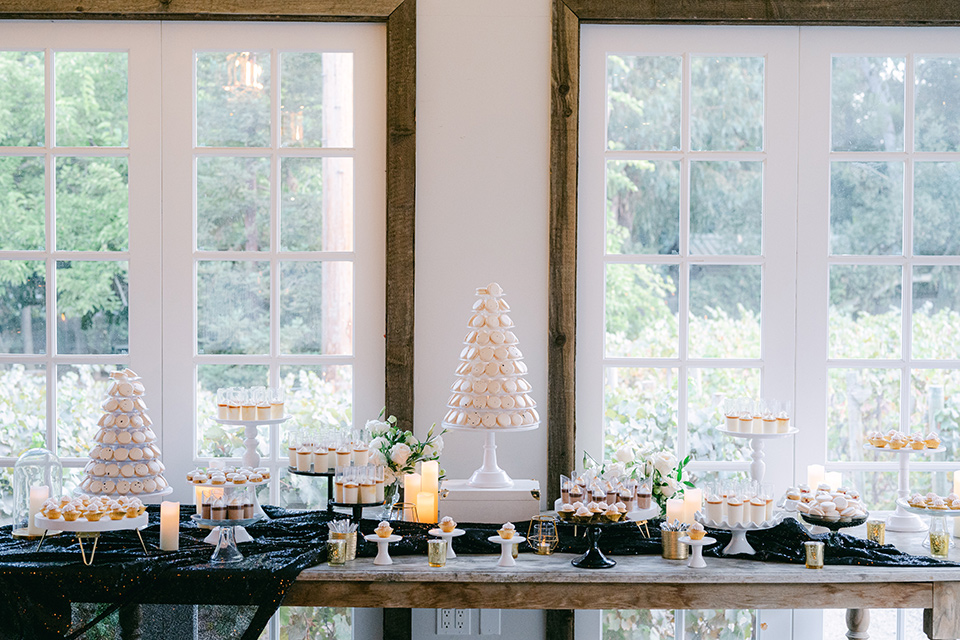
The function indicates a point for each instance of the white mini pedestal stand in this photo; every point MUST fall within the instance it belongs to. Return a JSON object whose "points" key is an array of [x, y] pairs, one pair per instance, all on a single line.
{"points": [[506, 549], [490, 475], [250, 457], [696, 553], [901, 519], [383, 554], [448, 537], [757, 467]]}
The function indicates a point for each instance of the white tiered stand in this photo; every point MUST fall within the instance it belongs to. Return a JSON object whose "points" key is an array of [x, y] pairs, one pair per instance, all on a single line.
{"points": [[757, 467], [490, 475], [901, 519], [250, 457]]}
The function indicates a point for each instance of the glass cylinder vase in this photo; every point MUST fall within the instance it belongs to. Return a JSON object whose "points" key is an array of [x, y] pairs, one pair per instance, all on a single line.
{"points": [[37, 475]]}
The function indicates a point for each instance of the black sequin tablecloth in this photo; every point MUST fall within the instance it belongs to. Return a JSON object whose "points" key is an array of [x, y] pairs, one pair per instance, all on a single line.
{"points": [[37, 588]]}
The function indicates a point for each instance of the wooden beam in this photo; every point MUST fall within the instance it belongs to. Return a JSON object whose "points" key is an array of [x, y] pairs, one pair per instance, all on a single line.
{"points": [[303, 10], [562, 295], [560, 624], [397, 624]]}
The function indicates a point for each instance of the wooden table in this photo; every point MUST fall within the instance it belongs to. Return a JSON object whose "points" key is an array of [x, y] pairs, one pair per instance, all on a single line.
{"points": [[644, 582]]}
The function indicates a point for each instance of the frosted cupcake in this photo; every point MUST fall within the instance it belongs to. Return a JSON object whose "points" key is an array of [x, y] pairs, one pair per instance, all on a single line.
{"points": [[383, 529], [507, 530]]}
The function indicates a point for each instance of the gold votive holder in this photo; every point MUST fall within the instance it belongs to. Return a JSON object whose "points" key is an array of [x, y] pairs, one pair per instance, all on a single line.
{"points": [[876, 531], [351, 541], [436, 553], [814, 550], [673, 549], [336, 552], [939, 544]]}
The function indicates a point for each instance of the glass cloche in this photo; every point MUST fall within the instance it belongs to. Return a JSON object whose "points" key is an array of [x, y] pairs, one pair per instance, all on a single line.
{"points": [[37, 475]]}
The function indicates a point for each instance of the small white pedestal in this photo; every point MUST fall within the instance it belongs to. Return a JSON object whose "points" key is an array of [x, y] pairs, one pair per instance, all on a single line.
{"points": [[448, 537], [383, 554], [506, 549], [696, 550]]}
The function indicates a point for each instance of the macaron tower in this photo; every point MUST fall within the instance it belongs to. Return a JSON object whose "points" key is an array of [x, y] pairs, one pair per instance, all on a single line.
{"points": [[124, 459], [490, 391]]}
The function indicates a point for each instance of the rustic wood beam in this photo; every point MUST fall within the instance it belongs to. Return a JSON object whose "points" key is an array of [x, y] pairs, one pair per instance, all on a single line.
{"points": [[223, 10]]}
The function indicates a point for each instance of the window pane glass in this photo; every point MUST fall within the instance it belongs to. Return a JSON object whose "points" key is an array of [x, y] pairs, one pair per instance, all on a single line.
{"points": [[21, 75], [316, 99], [80, 390], [936, 312], [725, 311], [23, 410], [315, 623], [316, 206], [935, 406], [706, 390], [23, 305], [643, 207], [91, 107], [936, 191], [860, 401], [215, 440], [866, 208], [233, 99], [639, 624], [865, 309], [867, 97], [705, 624], [93, 306], [319, 395], [726, 208], [22, 205], [726, 111], [640, 405], [92, 204], [643, 102], [233, 204], [641, 311], [936, 105], [233, 307], [316, 307]]}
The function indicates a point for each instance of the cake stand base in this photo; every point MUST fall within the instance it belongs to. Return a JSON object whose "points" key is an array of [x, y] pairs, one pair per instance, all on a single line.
{"points": [[905, 522], [448, 537], [490, 479], [506, 549], [696, 550], [738, 543], [593, 558], [383, 544]]}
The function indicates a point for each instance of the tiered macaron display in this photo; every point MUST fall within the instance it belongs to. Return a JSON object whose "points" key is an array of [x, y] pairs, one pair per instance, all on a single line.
{"points": [[490, 390], [125, 459]]}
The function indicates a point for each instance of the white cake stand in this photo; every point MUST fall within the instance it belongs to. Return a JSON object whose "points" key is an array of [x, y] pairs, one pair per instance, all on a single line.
{"points": [[933, 513], [250, 457], [506, 549], [738, 532], [449, 539], [383, 554], [490, 475], [902, 519], [696, 555], [757, 467]]}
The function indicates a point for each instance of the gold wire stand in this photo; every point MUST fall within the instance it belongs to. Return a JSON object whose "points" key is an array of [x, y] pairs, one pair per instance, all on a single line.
{"points": [[400, 511], [95, 535], [642, 526]]}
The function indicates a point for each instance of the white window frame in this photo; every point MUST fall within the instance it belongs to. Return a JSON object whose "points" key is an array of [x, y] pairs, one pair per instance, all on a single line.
{"points": [[141, 41], [180, 41]]}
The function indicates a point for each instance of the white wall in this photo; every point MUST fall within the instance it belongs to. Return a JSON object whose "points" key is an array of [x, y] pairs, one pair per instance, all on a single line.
{"points": [[483, 109]]}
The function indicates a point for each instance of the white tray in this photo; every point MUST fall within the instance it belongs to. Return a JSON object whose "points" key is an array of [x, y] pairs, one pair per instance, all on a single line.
{"points": [[933, 513], [743, 434], [457, 427], [82, 524], [870, 447], [247, 423]]}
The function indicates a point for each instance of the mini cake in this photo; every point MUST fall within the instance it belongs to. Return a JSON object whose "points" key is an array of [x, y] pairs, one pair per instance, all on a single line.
{"points": [[612, 514], [383, 529], [447, 524], [932, 440], [696, 531], [507, 530]]}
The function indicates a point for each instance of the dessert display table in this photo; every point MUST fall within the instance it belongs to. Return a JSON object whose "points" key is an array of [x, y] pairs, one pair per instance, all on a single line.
{"points": [[901, 519]]}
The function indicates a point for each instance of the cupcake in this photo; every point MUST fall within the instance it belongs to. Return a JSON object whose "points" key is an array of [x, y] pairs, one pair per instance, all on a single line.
{"points": [[696, 531], [507, 530], [447, 524], [117, 513], [53, 512], [71, 513], [917, 444], [932, 440], [582, 515], [612, 514], [383, 529], [566, 511], [93, 514]]}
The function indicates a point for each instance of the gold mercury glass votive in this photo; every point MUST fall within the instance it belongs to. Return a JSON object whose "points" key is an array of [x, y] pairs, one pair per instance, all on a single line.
{"points": [[876, 531], [814, 550], [673, 549], [350, 539], [436, 553], [336, 551], [939, 544]]}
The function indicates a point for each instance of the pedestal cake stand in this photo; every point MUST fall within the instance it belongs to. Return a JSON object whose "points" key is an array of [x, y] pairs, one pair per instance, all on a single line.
{"points": [[250, 457], [902, 519], [757, 467], [490, 475]]}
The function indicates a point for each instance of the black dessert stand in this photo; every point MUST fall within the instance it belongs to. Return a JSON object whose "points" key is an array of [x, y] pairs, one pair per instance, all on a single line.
{"points": [[318, 474], [593, 558], [357, 507]]}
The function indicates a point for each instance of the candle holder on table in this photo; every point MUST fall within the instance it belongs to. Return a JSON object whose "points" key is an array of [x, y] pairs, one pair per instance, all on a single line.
{"points": [[37, 475]]}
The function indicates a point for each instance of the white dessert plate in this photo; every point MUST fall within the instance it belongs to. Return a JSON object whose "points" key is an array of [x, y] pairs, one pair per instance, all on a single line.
{"points": [[643, 514], [440, 532], [244, 423], [457, 427], [82, 524], [934, 513], [742, 434], [372, 537], [870, 447]]}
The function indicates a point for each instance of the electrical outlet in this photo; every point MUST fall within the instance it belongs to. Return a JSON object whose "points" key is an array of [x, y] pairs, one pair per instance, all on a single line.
{"points": [[453, 622]]}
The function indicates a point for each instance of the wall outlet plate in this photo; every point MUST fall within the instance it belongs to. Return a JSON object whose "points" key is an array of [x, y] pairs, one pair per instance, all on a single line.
{"points": [[453, 622]]}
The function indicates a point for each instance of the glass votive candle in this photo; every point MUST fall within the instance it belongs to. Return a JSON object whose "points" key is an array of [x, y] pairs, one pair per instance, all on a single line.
{"points": [[436, 553], [336, 552], [876, 531], [814, 550]]}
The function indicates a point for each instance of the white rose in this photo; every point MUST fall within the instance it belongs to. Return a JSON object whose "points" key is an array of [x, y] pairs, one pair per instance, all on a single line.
{"points": [[437, 445], [399, 454], [624, 455], [664, 462], [615, 470], [377, 427], [389, 477], [377, 458], [669, 487], [410, 439], [377, 442]]}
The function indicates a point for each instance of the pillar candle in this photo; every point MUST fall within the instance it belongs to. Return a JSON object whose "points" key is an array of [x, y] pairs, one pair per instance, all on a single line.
{"points": [[169, 526], [692, 499], [814, 475], [37, 496], [411, 487], [956, 482], [426, 506], [430, 483], [834, 479], [674, 509]]}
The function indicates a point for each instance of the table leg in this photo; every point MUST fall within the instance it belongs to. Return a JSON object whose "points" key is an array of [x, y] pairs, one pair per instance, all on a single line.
{"points": [[858, 624]]}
